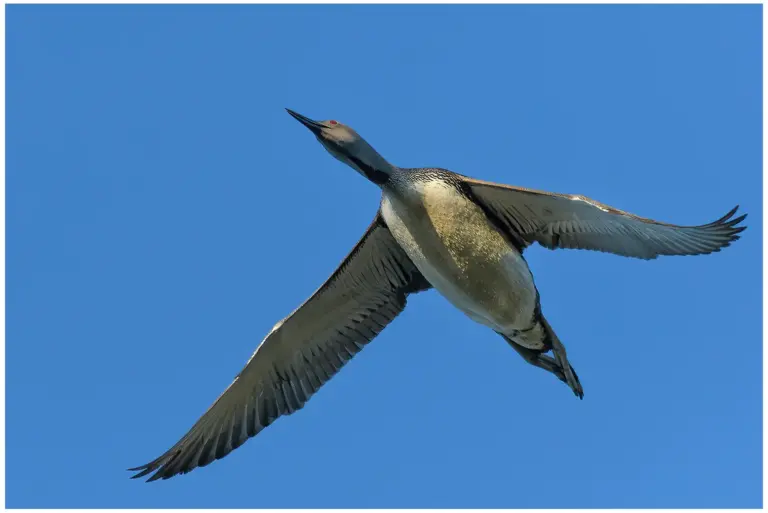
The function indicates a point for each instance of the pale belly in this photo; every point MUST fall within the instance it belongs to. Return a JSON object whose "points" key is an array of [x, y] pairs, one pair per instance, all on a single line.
{"points": [[468, 261]]}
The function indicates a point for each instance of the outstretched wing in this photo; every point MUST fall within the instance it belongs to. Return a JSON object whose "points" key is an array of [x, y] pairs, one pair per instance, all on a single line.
{"points": [[302, 351], [577, 222]]}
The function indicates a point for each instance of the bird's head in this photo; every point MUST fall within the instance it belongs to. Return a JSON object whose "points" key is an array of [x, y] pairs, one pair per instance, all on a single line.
{"points": [[346, 145]]}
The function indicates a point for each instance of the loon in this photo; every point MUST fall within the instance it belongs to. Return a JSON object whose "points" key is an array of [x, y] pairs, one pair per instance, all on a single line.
{"points": [[434, 229]]}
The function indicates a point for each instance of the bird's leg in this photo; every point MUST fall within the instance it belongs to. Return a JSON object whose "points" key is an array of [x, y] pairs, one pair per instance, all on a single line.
{"points": [[549, 364], [537, 359], [558, 350]]}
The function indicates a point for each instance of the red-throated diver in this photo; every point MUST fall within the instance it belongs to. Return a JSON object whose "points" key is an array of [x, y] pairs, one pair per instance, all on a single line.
{"points": [[434, 228]]}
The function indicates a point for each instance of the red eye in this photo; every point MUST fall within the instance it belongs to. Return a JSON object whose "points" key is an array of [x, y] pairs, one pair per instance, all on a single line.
{"points": [[334, 122]]}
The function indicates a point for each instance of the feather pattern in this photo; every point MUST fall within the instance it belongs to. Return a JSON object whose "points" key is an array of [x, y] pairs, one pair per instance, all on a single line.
{"points": [[302, 352], [577, 222]]}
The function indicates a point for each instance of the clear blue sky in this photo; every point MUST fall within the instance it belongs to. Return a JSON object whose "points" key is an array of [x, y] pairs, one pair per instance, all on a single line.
{"points": [[164, 212]]}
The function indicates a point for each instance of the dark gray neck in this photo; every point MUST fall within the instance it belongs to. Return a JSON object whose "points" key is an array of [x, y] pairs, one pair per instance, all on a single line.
{"points": [[378, 176]]}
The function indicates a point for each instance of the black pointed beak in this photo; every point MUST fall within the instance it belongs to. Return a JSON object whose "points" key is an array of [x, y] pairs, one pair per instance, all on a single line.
{"points": [[314, 126]]}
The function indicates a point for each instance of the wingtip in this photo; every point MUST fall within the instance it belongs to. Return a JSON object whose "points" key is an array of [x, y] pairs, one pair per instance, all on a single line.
{"points": [[155, 477], [729, 222], [143, 471], [736, 221], [739, 229], [139, 473], [725, 218]]}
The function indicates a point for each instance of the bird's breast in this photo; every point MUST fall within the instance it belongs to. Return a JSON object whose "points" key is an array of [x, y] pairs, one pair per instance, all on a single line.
{"points": [[457, 249]]}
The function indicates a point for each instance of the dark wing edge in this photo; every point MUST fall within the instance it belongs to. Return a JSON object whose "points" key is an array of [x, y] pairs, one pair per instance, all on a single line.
{"points": [[303, 351], [577, 222]]}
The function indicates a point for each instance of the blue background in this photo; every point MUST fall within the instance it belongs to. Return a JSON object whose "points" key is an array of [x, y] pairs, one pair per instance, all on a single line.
{"points": [[164, 212]]}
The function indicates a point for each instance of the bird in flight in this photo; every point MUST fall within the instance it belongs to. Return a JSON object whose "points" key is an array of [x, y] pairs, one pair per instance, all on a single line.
{"points": [[434, 229]]}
